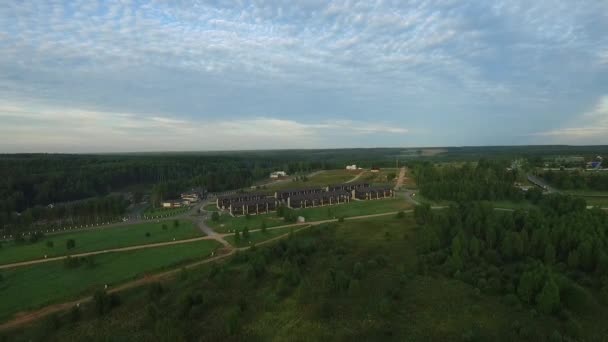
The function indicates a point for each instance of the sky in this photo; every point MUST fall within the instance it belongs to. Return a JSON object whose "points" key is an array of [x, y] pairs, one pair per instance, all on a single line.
{"points": [[118, 76]]}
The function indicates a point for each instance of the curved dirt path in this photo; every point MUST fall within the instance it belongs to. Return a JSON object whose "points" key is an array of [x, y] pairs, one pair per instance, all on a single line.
{"points": [[356, 177]]}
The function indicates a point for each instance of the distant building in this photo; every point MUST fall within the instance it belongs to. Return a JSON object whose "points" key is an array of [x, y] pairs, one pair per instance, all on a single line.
{"points": [[278, 174], [174, 203], [375, 169], [351, 167], [370, 193]]}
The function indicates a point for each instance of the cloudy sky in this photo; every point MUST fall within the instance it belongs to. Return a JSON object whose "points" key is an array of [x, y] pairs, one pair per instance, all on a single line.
{"points": [[93, 76]]}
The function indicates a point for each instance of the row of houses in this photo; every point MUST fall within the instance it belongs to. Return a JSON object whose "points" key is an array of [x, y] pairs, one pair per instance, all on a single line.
{"points": [[259, 203]]}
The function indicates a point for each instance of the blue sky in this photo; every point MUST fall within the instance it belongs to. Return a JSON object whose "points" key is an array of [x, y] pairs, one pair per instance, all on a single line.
{"points": [[94, 76]]}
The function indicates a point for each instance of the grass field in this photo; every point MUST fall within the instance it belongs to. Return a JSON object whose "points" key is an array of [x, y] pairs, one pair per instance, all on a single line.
{"points": [[257, 237], [387, 299], [228, 223], [35, 286], [98, 239], [384, 176], [211, 207], [162, 212], [320, 180]]}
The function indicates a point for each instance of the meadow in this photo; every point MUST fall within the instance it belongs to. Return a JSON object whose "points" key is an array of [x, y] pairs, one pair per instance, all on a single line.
{"points": [[164, 212], [98, 239], [31, 287], [321, 179], [259, 236]]}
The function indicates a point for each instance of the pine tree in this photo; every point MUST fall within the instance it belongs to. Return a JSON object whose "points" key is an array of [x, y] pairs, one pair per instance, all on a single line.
{"points": [[548, 300], [549, 255]]}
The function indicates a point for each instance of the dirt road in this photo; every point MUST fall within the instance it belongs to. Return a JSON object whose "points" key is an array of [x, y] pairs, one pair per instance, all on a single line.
{"points": [[400, 179], [356, 177]]}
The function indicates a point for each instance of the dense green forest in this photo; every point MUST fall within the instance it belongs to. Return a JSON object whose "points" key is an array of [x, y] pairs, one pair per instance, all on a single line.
{"points": [[577, 180], [553, 259], [488, 180]]}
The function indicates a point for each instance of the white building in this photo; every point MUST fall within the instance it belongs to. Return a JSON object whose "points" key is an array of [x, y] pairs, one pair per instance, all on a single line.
{"points": [[351, 167], [278, 174]]}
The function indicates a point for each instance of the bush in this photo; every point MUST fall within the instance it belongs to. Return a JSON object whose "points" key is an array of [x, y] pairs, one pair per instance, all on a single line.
{"points": [[155, 290], [104, 303], [401, 214], [147, 234], [175, 223], [50, 244], [75, 314], [341, 219], [70, 244], [215, 216]]}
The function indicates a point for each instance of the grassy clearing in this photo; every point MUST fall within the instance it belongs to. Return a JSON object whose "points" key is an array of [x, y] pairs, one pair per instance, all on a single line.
{"points": [[320, 180], [228, 223], [164, 212], [98, 239], [258, 236], [211, 207], [34, 286], [384, 176]]}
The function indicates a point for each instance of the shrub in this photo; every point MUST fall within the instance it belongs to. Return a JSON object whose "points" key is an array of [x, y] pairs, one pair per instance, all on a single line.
{"points": [[50, 244], [147, 234], [70, 244], [155, 290], [175, 223], [341, 219], [401, 214], [104, 303], [215, 216], [75, 314]]}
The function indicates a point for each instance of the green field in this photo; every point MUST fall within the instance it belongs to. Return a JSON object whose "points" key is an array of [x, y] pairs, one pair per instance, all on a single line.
{"points": [[162, 212], [258, 236], [211, 207], [98, 239], [228, 223], [34, 286], [320, 180]]}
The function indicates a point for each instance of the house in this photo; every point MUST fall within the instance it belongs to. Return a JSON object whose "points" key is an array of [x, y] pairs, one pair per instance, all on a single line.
{"points": [[347, 186], [376, 192], [174, 203], [253, 207], [278, 174], [223, 202], [285, 194], [318, 199], [351, 167]]}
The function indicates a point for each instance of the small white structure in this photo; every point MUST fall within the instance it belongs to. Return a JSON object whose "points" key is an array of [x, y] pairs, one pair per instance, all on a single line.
{"points": [[301, 219], [278, 174], [351, 167]]}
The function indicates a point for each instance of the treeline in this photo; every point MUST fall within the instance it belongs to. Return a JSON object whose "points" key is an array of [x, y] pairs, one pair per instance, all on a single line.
{"points": [[488, 180], [547, 258], [577, 180], [85, 212]]}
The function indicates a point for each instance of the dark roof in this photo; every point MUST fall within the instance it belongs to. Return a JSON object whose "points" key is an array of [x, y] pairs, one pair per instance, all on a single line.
{"points": [[375, 188], [266, 200], [287, 191], [243, 195], [319, 195]]}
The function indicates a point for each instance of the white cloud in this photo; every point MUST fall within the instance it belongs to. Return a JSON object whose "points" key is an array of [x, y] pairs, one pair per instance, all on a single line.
{"points": [[47, 129], [589, 127]]}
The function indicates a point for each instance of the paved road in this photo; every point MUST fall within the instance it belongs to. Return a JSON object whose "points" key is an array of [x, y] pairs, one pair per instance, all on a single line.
{"points": [[541, 183]]}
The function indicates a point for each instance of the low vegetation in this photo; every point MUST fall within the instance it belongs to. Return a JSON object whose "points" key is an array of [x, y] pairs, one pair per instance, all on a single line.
{"points": [[357, 280], [96, 239], [31, 287]]}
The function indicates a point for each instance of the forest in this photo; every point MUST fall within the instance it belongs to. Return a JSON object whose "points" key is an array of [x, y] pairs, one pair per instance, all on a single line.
{"points": [[577, 180], [488, 180], [551, 259]]}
